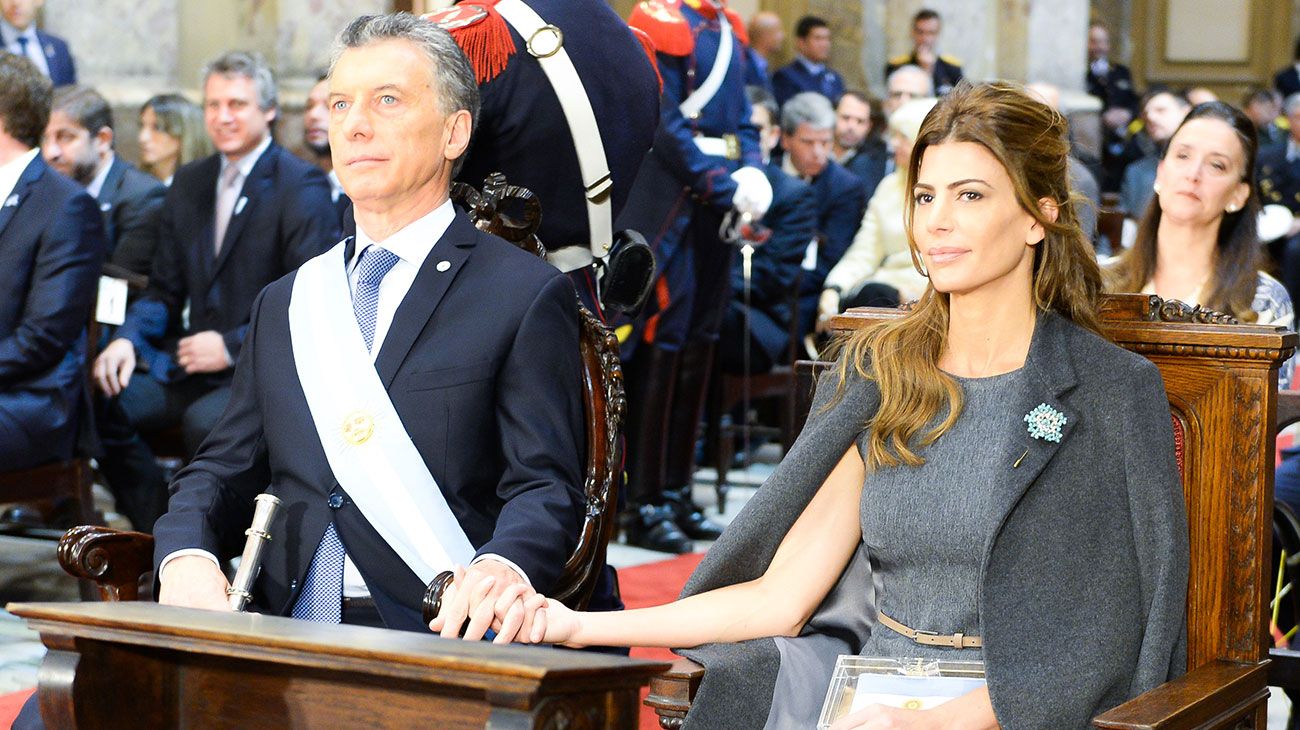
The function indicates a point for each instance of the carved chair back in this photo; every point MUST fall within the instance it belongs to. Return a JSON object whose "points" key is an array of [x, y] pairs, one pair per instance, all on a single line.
{"points": [[1221, 380]]}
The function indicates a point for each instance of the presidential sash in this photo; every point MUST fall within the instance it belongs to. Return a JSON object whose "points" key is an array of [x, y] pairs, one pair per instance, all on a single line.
{"points": [[364, 440]]}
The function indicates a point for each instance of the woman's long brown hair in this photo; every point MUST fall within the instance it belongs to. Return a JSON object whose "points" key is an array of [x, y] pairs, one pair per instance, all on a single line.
{"points": [[1235, 273], [902, 356]]}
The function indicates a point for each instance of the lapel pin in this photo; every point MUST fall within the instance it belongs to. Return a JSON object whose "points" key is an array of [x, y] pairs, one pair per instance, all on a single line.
{"points": [[444, 265], [1016, 465], [1045, 423], [105, 207], [11, 201], [239, 206]]}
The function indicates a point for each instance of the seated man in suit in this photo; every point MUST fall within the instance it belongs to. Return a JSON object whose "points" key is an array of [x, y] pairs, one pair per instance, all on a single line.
{"points": [[944, 70], [759, 313], [47, 52], [859, 145], [808, 71], [79, 143], [316, 139], [232, 223], [412, 396], [1162, 111], [51, 248], [807, 126]]}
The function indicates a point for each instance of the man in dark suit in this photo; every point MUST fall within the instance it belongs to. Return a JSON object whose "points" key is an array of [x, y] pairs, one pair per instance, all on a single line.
{"points": [[231, 224], [859, 144], [316, 141], [79, 143], [766, 36], [808, 71], [459, 355], [20, 36], [944, 70], [807, 128], [1287, 81], [759, 312], [51, 248]]}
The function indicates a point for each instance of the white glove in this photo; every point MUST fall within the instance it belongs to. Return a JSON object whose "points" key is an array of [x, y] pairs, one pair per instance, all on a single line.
{"points": [[753, 192]]}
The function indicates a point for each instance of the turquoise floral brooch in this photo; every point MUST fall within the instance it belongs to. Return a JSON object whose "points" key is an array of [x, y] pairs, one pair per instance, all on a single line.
{"points": [[1045, 423]]}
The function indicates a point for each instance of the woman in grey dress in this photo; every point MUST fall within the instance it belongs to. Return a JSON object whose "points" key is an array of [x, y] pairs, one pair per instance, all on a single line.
{"points": [[987, 470]]}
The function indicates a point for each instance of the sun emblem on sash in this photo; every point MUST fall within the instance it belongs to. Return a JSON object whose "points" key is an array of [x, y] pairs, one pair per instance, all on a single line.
{"points": [[358, 427]]}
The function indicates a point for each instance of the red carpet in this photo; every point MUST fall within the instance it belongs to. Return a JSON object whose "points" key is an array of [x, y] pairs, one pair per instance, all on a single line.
{"points": [[10, 704], [650, 585], [644, 585]]}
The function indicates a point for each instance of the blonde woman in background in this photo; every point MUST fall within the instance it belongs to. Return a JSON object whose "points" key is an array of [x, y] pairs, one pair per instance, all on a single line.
{"points": [[171, 134]]}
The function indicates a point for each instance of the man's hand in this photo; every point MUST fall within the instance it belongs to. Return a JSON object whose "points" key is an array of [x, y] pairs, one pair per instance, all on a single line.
{"points": [[827, 306], [204, 352], [193, 581], [114, 366], [1116, 118], [486, 593]]}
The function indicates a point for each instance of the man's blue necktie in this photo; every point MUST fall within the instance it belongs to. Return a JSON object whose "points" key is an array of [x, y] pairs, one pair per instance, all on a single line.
{"points": [[322, 591]]}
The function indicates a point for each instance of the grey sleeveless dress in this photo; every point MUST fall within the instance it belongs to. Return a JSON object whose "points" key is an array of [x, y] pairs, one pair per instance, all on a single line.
{"points": [[924, 530]]}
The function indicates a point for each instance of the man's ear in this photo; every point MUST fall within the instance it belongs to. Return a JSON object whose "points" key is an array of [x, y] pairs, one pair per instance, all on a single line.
{"points": [[103, 140], [458, 127]]}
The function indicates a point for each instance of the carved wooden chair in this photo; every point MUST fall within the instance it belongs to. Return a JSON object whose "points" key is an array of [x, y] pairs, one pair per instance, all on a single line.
{"points": [[116, 560], [1221, 380]]}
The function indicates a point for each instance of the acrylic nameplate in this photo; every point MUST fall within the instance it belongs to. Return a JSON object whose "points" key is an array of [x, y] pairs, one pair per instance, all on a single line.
{"points": [[905, 682]]}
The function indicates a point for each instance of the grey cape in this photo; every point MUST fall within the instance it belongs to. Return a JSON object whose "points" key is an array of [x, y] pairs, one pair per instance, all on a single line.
{"points": [[1083, 587]]}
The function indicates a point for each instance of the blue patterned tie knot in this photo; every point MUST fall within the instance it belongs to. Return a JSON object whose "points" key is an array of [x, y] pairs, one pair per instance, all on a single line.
{"points": [[374, 265]]}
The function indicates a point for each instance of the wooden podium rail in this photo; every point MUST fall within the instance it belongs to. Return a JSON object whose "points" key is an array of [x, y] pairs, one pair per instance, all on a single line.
{"points": [[142, 665]]}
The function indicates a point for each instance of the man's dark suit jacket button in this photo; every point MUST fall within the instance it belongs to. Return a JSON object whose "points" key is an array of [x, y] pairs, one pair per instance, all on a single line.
{"points": [[336, 501]]}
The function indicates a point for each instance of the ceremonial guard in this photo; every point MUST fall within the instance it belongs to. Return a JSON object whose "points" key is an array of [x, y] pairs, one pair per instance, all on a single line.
{"points": [[945, 70], [570, 104], [705, 163], [554, 120]]}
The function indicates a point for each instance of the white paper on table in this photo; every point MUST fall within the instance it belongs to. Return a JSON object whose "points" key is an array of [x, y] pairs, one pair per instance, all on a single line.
{"points": [[909, 693]]}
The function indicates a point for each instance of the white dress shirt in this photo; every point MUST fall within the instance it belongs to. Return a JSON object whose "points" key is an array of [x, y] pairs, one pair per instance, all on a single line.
{"points": [[96, 186], [34, 52], [12, 170]]}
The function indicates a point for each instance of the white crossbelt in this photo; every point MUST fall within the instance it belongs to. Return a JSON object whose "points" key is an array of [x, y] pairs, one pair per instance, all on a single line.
{"points": [[695, 103], [581, 119]]}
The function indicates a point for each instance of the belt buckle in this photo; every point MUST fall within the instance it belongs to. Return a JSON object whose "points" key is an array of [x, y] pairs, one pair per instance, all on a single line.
{"points": [[733, 146]]}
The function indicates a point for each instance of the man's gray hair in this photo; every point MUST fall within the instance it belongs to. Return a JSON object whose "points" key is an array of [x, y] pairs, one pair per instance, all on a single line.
{"points": [[1292, 104], [453, 77], [250, 65], [808, 108], [909, 70]]}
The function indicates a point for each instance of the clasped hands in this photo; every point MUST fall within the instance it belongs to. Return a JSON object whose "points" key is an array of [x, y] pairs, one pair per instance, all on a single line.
{"points": [[203, 352], [490, 595]]}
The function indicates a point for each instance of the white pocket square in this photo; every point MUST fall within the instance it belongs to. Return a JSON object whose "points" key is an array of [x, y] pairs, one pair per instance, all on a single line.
{"points": [[239, 204], [11, 201]]}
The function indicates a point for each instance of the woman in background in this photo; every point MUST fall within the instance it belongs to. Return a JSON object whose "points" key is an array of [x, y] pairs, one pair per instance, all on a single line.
{"points": [[1197, 241], [171, 134]]}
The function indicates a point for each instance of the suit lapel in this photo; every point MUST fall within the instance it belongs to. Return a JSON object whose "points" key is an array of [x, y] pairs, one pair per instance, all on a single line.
{"points": [[1049, 375], [256, 187], [9, 207], [108, 194], [426, 293]]}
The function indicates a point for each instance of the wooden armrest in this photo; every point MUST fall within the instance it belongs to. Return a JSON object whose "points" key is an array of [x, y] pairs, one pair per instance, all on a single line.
{"points": [[1215, 695], [115, 560], [672, 692]]}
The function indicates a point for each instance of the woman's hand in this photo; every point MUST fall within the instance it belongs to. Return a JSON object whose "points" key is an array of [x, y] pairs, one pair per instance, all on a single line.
{"points": [[549, 622], [880, 717]]}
